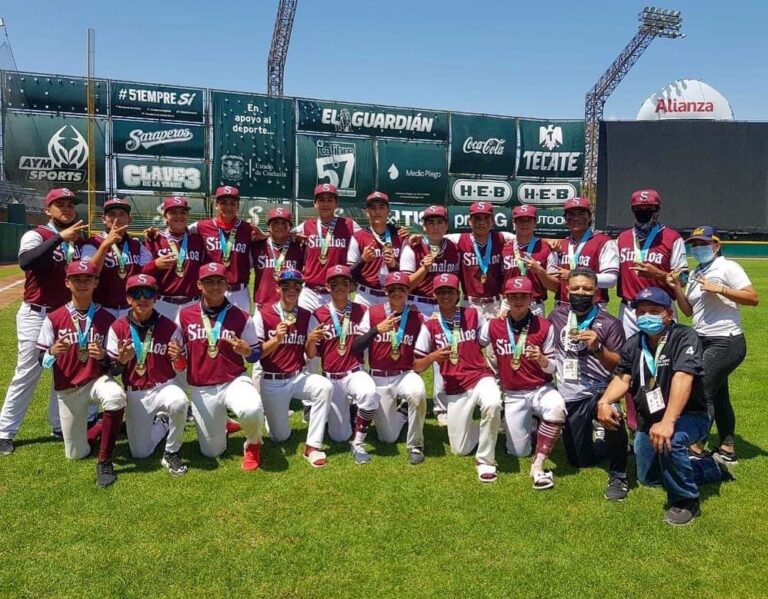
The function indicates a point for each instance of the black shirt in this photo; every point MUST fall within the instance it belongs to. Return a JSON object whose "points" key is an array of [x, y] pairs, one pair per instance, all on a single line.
{"points": [[681, 353]]}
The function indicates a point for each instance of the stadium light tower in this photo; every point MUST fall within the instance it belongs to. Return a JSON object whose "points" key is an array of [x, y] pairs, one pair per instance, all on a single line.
{"points": [[654, 22], [278, 51]]}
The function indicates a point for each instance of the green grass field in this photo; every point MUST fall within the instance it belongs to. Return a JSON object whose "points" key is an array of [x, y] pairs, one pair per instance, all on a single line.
{"points": [[385, 529]]}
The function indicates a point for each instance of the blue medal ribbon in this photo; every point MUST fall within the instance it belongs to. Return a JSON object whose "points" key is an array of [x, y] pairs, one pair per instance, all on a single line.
{"points": [[485, 260], [82, 333], [573, 256], [643, 253], [398, 338], [140, 348], [341, 328]]}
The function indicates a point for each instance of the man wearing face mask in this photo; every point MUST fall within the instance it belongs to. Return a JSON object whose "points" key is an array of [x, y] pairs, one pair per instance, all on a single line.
{"points": [[662, 368], [648, 252]]}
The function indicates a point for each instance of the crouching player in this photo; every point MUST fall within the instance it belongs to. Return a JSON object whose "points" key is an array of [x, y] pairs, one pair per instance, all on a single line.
{"points": [[524, 345], [145, 348], [71, 341]]}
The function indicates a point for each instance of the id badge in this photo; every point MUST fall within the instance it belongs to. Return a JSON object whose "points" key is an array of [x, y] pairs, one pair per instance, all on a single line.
{"points": [[655, 400], [571, 369]]}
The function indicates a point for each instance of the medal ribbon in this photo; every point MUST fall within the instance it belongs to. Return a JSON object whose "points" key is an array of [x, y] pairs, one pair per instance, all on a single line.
{"points": [[122, 256], [485, 260], [573, 321], [700, 270], [213, 333], [387, 236], [650, 359], [429, 247], [141, 347], [397, 338], [325, 242], [528, 250], [640, 255], [278, 261], [343, 328], [227, 243], [82, 334], [179, 254], [573, 256], [281, 312], [453, 338], [517, 346], [68, 249]]}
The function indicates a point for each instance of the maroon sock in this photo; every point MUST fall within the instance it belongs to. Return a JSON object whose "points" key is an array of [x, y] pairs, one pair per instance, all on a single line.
{"points": [[93, 434], [111, 422], [547, 436], [363, 420]]}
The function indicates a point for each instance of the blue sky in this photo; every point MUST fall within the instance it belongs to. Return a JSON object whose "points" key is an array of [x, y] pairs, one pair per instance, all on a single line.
{"points": [[492, 56]]}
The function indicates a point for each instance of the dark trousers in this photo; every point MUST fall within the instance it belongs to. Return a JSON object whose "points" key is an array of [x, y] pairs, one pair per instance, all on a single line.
{"points": [[722, 355], [577, 439]]}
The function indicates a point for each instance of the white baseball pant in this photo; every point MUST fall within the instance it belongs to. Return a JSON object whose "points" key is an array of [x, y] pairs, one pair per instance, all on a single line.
{"points": [[311, 300], [407, 387], [117, 312], [73, 408], [357, 387], [170, 310], [368, 299], [537, 308], [144, 433], [438, 386], [210, 405], [240, 298], [488, 310], [312, 389], [464, 433], [545, 402]]}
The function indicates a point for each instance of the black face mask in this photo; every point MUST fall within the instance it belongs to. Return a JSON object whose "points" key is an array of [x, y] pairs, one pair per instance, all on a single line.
{"points": [[644, 216], [580, 303]]}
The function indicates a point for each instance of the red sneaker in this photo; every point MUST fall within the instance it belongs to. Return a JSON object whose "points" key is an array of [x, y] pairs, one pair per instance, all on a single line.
{"points": [[233, 427], [251, 457]]}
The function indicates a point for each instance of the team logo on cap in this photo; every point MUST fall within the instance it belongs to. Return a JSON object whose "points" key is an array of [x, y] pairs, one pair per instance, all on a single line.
{"points": [[143, 279], [338, 268], [698, 231], [517, 283], [228, 189], [211, 267], [82, 266], [481, 205], [443, 278], [523, 209]]}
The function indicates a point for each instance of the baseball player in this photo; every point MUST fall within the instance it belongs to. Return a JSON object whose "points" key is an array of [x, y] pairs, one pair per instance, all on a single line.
{"points": [[71, 342], [530, 257], [218, 336], [179, 254], [273, 254], [587, 248], [116, 255], [337, 331], [228, 242], [145, 348], [451, 339], [524, 346], [648, 252], [403, 397], [282, 328], [374, 251], [44, 254]]}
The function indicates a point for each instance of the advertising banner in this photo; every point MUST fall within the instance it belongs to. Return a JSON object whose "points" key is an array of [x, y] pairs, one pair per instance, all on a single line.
{"points": [[147, 174], [401, 215], [366, 119], [348, 163], [146, 100], [483, 145], [52, 93], [43, 151], [412, 171], [551, 193], [550, 222], [143, 138], [551, 149], [253, 144], [466, 191]]}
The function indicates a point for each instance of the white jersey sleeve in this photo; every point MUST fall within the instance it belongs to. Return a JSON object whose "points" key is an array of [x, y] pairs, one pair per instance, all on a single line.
{"points": [[407, 260], [45, 337], [145, 256], [258, 323], [29, 240], [249, 334], [452, 237], [551, 265], [192, 228], [484, 337], [365, 323], [313, 324], [548, 349], [677, 258], [608, 260], [423, 343], [353, 253], [113, 346]]}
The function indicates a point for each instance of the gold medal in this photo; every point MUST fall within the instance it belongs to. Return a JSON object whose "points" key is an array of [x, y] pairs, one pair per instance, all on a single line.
{"points": [[574, 334], [179, 271], [213, 351], [82, 354], [388, 245], [434, 250], [290, 318], [483, 278], [122, 272], [342, 349], [141, 369], [395, 353], [516, 362], [226, 262], [454, 358], [323, 259]]}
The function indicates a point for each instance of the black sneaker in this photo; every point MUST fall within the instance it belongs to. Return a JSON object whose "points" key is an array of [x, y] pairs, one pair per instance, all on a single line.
{"points": [[6, 446], [105, 474], [725, 467], [683, 514], [617, 489], [415, 456], [698, 455], [173, 464], [57, 434], [728, 457]]}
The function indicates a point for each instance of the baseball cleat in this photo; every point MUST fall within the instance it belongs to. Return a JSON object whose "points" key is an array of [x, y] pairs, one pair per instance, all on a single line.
{"points": [[173, 464], [486, 473], [415, 456], [251, 457], [542, 479], [315, 457], [360, 454], [105, 474], [6, 446]]}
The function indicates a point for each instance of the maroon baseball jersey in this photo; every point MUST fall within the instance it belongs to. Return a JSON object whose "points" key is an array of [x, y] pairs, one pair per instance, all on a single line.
{"points": [[379, 352], [469, 266], [68, 371], [667, 252], [202, 369], [264, 255], [447, 261], [529, 375], [471, 366], [159, 368], [44, 284], [111, 290], [213, 232], [509, 266], [598, 254], [338, 247], [329, 344], [289, 355], [168, 281], [370, 273]]}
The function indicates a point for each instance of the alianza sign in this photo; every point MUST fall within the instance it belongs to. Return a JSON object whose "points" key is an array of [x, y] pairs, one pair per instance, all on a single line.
{"points": [[157, 101], [158, 139]]}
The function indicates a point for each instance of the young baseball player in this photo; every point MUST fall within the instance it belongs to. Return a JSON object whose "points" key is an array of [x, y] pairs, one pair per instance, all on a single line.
{"points": [[44, 254], [145, 348], [390, 359], [218, 336], [337, 329], [451, 340], [523, 344], [71, 342], [272, 255], [282, 328]]}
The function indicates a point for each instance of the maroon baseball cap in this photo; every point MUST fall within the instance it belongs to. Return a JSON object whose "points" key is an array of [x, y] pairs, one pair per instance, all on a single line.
{"points": [[212, 269], [116, 203], [524, 210], [445, 280], [577, 203], [227, 191], [82, 267], [175, 202], [59, 193], [137, 281], [518, 285], [280, 212], [481, 208], [377, 196], [397, 278], [645, 197], [439, 211], [338, 271], [326, 188]]}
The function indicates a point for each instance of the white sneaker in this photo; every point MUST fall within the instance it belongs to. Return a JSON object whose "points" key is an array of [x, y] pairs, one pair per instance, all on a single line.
{"points": [[442, 419], [360, 453], [542, 479]]}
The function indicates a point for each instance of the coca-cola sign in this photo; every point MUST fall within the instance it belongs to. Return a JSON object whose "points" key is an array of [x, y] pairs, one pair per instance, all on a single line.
{"points": [[483, 145], [492, 146]]}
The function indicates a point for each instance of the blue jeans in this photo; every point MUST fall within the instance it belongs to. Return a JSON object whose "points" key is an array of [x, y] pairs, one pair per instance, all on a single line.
{"points": [[679, 475]]}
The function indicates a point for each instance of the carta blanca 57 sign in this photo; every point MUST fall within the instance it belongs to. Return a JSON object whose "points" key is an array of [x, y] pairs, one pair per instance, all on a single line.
{"points": [[551, 149], [157, 101], [158, 139], [140, 174], [483, 145], [44, 151], [466, 191], [367, 119], [412, 171], [347, 163]]}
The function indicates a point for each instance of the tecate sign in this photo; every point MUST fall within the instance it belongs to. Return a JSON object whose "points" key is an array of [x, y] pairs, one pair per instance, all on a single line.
{"points": [[472, 190], [543, 194]]}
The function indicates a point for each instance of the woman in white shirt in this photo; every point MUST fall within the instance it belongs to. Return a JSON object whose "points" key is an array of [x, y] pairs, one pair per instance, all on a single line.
{"points": [[716, 288]]}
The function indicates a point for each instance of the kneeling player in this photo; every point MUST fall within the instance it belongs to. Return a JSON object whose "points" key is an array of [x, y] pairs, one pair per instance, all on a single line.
{"points": [[72, 343], [145, 348], [451, 339], [523, 345], [218, 336], [282, 328]]}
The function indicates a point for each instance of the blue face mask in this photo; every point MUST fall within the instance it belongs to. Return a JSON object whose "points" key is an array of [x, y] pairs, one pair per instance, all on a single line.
{"points": [[651, 324], [703, 254]]}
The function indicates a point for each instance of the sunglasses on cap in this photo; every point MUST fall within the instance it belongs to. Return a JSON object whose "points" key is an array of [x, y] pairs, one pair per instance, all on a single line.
{"points": [[142, 292]]}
